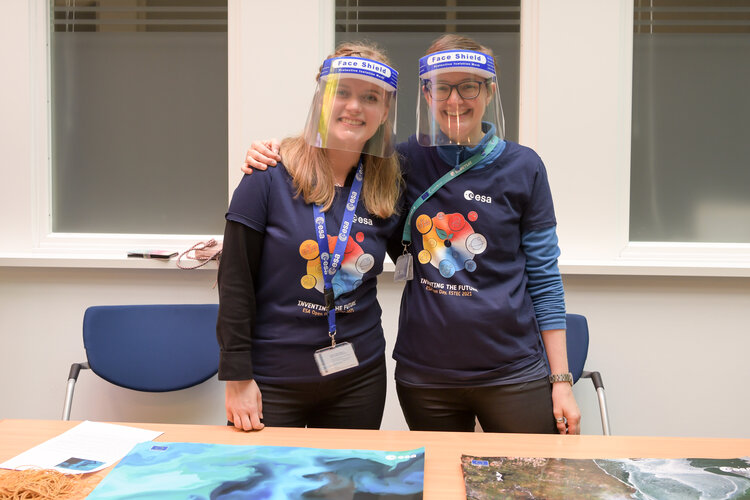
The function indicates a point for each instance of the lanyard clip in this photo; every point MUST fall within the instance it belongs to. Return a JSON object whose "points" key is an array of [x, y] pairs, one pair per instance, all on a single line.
{"points": [[330, 300]]}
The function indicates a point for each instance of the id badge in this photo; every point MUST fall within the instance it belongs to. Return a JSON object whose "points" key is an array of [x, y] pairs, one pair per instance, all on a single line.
{"points": [[404, 268], [336, 358]]}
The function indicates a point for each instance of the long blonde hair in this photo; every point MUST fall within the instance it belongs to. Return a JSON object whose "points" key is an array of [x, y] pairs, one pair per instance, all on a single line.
{"points": [[311, 170]]}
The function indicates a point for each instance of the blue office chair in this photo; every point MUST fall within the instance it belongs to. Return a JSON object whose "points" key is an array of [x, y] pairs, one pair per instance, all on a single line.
{"points": [[152, 348], [577, 337]]}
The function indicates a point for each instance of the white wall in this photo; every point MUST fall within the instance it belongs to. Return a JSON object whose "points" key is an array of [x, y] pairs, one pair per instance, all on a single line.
{"points": [[42, 315], [673, 353], [15, 129], [672, 350]]}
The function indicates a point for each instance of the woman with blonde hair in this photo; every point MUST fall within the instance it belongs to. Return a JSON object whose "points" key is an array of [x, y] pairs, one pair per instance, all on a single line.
{"points": [[299, 322]]}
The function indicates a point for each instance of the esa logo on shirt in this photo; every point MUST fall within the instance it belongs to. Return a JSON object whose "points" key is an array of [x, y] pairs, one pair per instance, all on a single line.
{"points": [[469, 195]]}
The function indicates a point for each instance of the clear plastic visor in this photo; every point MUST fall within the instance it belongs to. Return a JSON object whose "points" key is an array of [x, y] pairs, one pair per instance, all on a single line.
{"points": [[354, 110], [458, 102]]}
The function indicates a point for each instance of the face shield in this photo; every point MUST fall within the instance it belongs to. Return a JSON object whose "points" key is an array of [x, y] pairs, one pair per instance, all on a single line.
{"points": [[354, 107], [459, 99]]}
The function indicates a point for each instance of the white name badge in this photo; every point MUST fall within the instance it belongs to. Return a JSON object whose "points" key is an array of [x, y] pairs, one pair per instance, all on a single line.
{"points": [[336, 358]]}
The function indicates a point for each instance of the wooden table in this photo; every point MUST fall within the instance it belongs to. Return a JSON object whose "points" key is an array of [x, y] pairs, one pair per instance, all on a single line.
{"points": [[443, 478]]}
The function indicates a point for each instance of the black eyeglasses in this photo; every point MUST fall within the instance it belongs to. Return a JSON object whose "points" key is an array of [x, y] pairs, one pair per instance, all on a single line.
{"points": [[442, 91]]}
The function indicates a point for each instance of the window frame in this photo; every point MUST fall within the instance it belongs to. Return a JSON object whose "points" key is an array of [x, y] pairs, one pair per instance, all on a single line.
{"points": [[34, 244], [45, 247], [596, 241]]}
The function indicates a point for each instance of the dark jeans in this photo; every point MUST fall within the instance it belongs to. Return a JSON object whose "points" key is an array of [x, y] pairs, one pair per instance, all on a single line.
{"points": [[352, 401], [525, 407]]}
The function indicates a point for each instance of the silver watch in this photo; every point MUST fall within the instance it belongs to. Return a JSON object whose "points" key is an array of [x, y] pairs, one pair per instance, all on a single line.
{"points": [[561, 377]]}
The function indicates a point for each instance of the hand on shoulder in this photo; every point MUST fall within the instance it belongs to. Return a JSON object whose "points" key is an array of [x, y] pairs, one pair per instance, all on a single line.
{"points": [[261, 155]]}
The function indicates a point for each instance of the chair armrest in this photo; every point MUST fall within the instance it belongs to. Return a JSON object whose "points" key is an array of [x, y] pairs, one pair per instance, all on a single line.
{"points": [[595, 377], [75, 369]]}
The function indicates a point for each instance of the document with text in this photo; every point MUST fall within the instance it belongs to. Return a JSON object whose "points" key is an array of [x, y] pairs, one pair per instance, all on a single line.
{"points": [[87, 447]]}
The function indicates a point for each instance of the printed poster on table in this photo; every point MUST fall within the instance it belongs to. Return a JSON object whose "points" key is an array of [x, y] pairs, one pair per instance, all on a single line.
{"points": [[195, 470], [626, 478]]}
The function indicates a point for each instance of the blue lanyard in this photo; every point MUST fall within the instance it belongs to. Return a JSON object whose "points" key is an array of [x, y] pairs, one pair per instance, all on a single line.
{"points": [[449, 176], [330, 264]]}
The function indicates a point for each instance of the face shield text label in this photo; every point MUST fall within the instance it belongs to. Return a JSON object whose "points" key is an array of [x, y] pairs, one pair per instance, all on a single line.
{"points": [[456, 56]]}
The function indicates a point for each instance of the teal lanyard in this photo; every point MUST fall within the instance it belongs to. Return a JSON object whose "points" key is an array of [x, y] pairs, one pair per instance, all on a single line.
{"points": [[455, 172]]}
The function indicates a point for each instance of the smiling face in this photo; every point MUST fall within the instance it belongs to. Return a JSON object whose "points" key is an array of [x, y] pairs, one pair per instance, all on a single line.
{"points": [[459, 118], [358, 109]]}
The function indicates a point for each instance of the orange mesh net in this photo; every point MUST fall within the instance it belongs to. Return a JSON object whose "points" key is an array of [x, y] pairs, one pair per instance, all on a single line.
{"points": [[37, 484]]}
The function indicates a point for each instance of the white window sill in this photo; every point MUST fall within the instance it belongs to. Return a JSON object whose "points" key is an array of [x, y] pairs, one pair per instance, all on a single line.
{"points": [[636, 260], [92, 260], [655, 268], [669, 259], [103, 251]]}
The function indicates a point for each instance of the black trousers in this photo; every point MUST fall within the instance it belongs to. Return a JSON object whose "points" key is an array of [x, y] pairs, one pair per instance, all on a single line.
{"points": [[525, 407], [352, 401]]}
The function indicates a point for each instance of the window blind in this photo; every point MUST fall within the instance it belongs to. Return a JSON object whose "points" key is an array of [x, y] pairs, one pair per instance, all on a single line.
{"points": [[428, 16], [692, 16], [140, 15]]}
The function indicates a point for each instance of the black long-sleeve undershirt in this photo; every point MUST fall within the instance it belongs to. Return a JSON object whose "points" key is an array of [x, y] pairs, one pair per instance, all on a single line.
{"points": [[238, 270]]}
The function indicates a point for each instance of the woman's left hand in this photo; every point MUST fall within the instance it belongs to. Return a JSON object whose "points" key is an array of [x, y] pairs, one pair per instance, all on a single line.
{"points": [[565, 409]]}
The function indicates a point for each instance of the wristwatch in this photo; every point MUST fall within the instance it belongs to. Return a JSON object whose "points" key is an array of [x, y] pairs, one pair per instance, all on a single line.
{"points": [[561, 377]]}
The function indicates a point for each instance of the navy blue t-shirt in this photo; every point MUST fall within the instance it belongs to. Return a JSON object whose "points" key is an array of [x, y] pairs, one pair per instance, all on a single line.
{"points": [[467, 318], [291, 322]]}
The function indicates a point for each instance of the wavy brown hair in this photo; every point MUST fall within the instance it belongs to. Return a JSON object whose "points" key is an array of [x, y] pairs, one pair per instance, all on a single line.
{"points": [[311, 170], [451, 41]]}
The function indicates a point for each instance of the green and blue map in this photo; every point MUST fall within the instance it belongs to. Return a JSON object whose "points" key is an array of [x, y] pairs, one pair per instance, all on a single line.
{"points": [[211, 471]]}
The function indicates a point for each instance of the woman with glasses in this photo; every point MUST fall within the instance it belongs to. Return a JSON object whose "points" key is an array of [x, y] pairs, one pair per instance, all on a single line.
{"points": [[299, 322], [482, 321]]}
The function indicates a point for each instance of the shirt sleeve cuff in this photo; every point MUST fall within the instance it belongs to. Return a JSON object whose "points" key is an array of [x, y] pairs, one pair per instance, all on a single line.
{"points": [[554, 323], [235, 365]]}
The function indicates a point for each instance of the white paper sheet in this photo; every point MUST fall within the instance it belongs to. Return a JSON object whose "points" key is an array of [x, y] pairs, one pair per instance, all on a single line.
{"points": [[87, 447]]}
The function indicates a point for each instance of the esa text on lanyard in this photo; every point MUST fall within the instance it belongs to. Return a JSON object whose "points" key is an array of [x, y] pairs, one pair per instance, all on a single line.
{"points": [[339, 356], [404, 264]]}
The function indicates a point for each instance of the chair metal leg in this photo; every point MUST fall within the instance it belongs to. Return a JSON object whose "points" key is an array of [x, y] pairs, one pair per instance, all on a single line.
{"points": [[603, 411], [596, 379], [75, 369]]}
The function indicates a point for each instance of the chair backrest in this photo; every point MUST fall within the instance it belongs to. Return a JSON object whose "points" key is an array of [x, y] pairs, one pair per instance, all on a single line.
{"points": [[154, 348], [577, 337]]}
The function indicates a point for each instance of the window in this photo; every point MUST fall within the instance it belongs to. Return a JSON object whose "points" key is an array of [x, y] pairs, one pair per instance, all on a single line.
{"points": [[405, 28], [690, 150], [138, 116]]}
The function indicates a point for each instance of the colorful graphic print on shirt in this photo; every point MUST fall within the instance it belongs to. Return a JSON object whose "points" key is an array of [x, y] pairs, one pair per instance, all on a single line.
{"points": [[449, 242], [353, 266]]}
